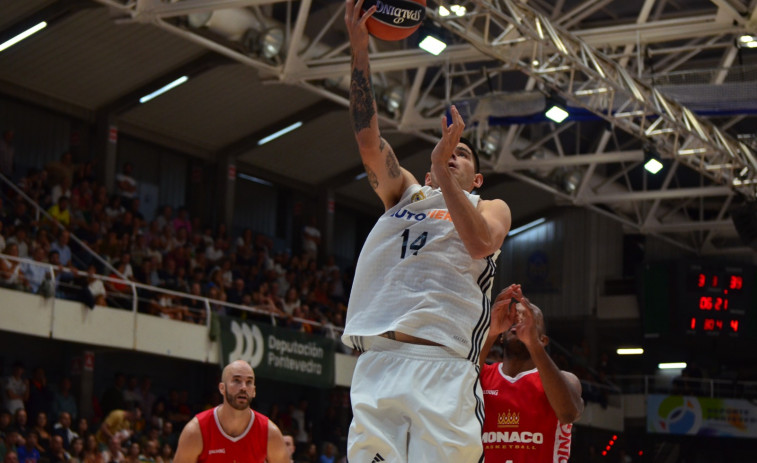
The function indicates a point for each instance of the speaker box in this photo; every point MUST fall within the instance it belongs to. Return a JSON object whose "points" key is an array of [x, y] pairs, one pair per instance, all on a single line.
{"points": [[744, 218]]}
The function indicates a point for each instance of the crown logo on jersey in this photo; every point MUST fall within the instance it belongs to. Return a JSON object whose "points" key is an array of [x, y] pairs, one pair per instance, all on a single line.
{"points": [[508, 419], [419, 196]]}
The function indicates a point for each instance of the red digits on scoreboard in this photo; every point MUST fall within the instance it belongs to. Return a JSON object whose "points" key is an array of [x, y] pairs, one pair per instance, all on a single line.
{"points": [[709, 324], [702, 280], [736, 282], [735, 326], [705, 303]]}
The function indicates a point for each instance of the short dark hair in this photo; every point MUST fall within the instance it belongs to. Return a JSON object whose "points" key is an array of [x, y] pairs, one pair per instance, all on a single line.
{"points": [[468, 143]]}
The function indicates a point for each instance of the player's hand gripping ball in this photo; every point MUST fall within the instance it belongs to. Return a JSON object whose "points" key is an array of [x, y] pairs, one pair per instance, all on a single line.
{"points": [[395, 19]]}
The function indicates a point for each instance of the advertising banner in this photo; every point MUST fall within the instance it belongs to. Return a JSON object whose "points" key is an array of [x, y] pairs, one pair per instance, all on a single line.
{"points": [[278, 353], [701, 416]]}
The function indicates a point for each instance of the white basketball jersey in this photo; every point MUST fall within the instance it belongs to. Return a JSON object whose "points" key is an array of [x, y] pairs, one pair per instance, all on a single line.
{"points": [[415, 276]]}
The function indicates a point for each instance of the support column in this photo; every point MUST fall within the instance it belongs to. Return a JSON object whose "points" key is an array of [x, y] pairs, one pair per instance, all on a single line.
{"points": [[325, 217], [106, 149]]}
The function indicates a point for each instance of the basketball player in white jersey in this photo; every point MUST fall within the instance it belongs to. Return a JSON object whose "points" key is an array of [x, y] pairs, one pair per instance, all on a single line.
{"points": [[419, 308], [530, 403]]}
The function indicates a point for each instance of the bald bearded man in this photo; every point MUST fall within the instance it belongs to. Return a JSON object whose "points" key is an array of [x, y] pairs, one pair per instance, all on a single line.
{"points": [[232, 431]]}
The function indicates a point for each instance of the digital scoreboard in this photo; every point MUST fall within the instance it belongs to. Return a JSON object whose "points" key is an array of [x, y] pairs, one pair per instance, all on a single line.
{"points": [[714, 299]]}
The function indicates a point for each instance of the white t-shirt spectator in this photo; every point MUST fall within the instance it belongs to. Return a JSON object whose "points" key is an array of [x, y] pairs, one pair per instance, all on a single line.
{"points": [[96, 288]]}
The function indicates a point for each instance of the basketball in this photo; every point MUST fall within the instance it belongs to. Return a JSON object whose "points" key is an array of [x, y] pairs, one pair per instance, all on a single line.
{"points": [[395, 19]]}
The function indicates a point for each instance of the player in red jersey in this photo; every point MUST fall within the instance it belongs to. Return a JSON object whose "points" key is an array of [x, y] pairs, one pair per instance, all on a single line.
{"points": [[232, 432], [530, 404]]}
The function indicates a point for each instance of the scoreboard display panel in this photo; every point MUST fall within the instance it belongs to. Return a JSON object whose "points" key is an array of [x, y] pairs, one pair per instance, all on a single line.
{"points": [[714, 299]]}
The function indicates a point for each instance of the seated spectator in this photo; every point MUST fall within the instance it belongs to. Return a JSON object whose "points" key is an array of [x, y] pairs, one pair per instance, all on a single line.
{"points": [[37, 274], [182, 221], [63, 430], [62, 247], [117, 424], [11, 457], [114, 209], [91, 453], [133, 454], [112, 452], [63, 189], [166, 306], [11, 274], [95, 289], [21, 239], [61, 212], [28, 453], [56, 453], [165, 218], [76, 451]]}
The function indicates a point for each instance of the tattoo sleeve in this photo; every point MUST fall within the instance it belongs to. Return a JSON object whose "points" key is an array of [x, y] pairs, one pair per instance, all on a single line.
{"points": [[361, 100], [372, 179], [392, 165]]}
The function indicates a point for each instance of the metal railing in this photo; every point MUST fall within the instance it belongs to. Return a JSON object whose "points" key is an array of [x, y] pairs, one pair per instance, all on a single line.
{"points": [[54, 282], [701, 387]]}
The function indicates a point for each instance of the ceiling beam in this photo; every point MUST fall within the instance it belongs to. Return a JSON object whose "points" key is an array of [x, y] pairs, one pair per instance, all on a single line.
{"points": [[575, 160], [677, 193]]}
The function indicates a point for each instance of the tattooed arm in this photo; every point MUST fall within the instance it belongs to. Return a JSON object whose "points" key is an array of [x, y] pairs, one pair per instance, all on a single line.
{"points": [[385, 175]]}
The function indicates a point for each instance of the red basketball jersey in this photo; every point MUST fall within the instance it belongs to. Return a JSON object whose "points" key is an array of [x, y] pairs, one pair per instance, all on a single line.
{"points": [[520, 425], [218, 447]]}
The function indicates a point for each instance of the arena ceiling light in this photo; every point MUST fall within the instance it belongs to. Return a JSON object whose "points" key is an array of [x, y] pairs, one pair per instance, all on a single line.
{"points": [[630, 351], [458, 10], [281, 132], [747, 41], [432, 45], [652, 164], [27, 33], [672, 366], [527, 226], [164, 89], [556, 113]]}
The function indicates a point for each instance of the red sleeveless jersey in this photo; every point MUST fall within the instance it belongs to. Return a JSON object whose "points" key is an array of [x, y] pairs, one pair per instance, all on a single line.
{"points": [[218, 447], [520, 425]]}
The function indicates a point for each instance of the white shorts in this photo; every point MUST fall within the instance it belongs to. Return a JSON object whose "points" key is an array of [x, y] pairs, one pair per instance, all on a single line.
{"points": [[415, 403]]}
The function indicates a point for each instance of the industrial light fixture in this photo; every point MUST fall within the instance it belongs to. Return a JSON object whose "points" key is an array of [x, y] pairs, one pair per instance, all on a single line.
{"points": [[164, 89], [571, 180], [652, 162], [432, 45], [747, 41], [393, 97], [255, 179], [31, 31], [630, 351], [492, 141], [527, 226], [556, 113], [281, 132], [271, 41], [458, 10], [672, 366]]}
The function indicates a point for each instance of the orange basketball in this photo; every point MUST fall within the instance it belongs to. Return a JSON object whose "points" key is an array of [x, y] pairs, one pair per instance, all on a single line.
{"points": [[395, 19]]}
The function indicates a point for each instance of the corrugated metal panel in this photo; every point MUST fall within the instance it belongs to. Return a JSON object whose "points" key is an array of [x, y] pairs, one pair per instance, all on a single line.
{"points": [[219, 107], [14, 10], [255, 207], [40, 136], [87, 60], [562, 262], [156, 166]]}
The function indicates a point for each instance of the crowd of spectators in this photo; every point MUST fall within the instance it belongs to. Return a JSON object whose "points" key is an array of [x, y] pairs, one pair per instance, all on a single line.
{"points": [[173, 251], [133, 423]]}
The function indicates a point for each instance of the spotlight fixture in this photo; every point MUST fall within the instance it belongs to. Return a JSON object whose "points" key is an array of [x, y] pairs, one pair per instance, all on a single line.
{"points": [[271, 41], [652, 162], [747, 41], [432, 45], [492, 141], [393, 98], [458, 10]]}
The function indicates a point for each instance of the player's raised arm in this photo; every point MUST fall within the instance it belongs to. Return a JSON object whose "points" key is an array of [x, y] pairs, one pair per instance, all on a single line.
{"points": [[277, 452], [385, 175]]}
